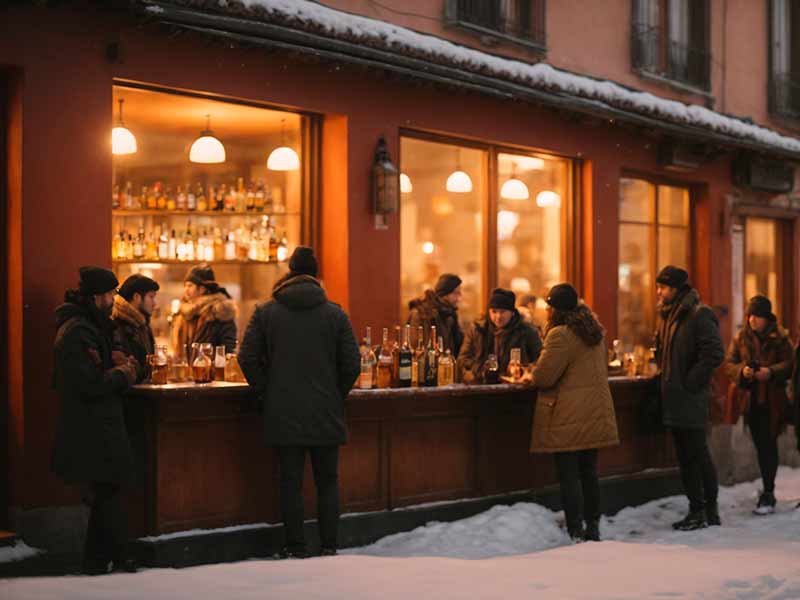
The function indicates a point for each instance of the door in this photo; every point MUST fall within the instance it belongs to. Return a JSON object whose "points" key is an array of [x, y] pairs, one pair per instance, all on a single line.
{"points": [[769, 265]]}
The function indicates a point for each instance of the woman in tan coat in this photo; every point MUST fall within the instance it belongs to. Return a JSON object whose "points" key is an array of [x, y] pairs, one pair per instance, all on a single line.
{"points": [[574, 413]]}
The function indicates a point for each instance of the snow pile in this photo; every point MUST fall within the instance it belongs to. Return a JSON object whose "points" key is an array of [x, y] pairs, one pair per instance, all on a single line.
{"points": [[19, 551], [328, 21]]}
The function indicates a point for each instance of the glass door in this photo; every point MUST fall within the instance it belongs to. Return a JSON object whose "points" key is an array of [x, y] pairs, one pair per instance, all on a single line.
{"points": [[768, 265]]}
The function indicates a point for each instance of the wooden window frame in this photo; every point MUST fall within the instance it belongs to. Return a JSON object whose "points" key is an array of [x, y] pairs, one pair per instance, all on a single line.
{"points": [[535, 41]]}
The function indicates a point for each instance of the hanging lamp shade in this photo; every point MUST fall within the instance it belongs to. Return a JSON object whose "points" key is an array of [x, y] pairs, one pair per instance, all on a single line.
{"points": [[405, 184], [283, 159], [530, 163], [207, 149], [548, 199], [514, 189], [122, 140], [459, 183]]}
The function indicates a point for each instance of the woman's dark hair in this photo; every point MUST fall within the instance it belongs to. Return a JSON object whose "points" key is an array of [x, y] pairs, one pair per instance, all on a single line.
{"points": [[581, 321]]}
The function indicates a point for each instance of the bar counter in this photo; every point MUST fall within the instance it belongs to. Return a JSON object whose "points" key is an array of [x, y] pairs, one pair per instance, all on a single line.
{"points": [[206, 465]]}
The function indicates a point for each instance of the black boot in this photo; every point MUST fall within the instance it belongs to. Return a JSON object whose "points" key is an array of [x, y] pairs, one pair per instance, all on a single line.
{"points": [[576, 532], [712, 514], [592, 532], [325, 551], [766, 504], [694, 520]]}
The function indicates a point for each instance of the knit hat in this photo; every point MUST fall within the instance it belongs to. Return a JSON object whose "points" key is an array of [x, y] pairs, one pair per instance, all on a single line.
{"points": [[303, 261], [674, 277], [760, 306], [446, 284], [137, 284], [563, 297], [502, 299], [96, 280], [201, 274]]}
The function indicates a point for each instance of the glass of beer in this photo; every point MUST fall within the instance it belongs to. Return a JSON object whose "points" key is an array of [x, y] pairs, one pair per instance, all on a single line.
{"points": [[219, 363], [202, 365], [159, 366]]}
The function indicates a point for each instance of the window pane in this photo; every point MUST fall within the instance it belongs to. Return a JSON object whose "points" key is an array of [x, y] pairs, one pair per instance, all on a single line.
{"points": [[636, 200], [761, 261], [673, 205], [673, 247], [442, 231], [636, 304], [529, 229]]}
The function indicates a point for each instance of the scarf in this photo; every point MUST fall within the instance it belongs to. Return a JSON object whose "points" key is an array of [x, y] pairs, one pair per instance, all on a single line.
{"points": [[670, 315]]}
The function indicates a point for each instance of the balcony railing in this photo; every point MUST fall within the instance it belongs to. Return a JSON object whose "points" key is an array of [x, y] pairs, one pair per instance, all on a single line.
{"points": [[653, 52], [518, 21], [785, 96]]}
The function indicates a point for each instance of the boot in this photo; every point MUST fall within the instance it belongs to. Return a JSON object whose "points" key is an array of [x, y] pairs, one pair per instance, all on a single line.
{"points": [[576, 532], [592, 532], [766, 504], [694, 520], [286, 553], [712, 514]]}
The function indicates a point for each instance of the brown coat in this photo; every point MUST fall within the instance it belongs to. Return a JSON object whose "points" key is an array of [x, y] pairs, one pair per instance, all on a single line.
{"points": [[776, 354], [431, 310], [206, 319], [574, 409]]}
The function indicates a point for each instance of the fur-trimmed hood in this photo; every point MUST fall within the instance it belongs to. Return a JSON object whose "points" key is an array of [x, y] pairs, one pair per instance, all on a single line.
{"points": [[124, 312], [211, 307]]}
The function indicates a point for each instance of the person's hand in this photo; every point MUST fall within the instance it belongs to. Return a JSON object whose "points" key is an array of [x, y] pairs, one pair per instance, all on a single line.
{"points": [[119, 358], [747, 373], [763, 374]]}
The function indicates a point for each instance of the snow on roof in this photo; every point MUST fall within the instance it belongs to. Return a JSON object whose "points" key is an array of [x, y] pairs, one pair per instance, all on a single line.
{"points": [[312, 16]]}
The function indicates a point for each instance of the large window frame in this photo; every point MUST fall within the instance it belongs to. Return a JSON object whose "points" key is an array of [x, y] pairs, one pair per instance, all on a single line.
{"points": [[784, 46], [487, 19], [570, 214]]}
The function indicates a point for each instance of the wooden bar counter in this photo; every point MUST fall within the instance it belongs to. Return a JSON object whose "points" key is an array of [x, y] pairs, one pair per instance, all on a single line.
{"points": [[206, 466]]}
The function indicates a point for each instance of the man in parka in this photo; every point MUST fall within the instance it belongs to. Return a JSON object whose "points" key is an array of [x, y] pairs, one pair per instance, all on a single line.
{"points": [[688, 349], [439, 307], [91, 447], [133, 307]]}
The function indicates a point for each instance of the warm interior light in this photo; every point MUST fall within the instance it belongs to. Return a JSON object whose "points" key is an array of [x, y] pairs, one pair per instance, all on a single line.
{"points": [[405, 184], [520, 285], [548, 199], [122, 140], [507, 221], [283, 159], [207, 149], [428, 247], [529, 163], [514, 189], [459, 183]]}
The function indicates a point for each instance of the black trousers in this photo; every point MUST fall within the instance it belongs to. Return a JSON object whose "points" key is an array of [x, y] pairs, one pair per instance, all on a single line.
{"points": [[580, 488], [107, 533], [325, 466], [698, 473], [766, 444]]}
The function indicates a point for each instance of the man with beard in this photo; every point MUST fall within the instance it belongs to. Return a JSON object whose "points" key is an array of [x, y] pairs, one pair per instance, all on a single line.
{"points": [[688, 350], [133, 308], [91, 447], [439, 307]]}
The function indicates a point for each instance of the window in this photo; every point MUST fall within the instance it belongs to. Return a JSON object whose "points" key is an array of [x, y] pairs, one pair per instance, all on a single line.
{"points": [[785, 58], [670, 39], [518, 21], [445, 226], [768, 266], [653, 233]]}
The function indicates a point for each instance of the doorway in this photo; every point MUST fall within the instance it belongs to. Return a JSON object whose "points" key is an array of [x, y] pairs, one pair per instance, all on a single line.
{"points": [[769, 266]]}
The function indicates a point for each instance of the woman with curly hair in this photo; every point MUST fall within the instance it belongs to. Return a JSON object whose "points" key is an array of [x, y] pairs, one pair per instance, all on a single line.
{"points": [[574, 413]]}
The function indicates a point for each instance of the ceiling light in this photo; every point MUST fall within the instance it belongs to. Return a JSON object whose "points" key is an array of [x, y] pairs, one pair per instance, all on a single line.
{"points": [[459, 183], [548, 199], [122, 140], [283, 158], [207, 149]]}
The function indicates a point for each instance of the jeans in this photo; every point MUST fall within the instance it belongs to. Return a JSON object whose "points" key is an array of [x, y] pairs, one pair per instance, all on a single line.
{"points": [[580, 488], [325, 465], [698, 474], [765, 442], [107, 533]]}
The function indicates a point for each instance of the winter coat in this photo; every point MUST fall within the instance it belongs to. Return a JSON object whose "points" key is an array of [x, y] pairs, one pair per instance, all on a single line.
{"points": [[688, 350], [209, 319], [480, 342], [133, 335], [574, 409], [91, 442], [301, 357], [431, 310], [777, 354]]}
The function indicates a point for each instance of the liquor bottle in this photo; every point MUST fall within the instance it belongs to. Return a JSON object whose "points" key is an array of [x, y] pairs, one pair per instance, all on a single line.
{"points": [[150, 200], [181, 202], [406, 358], [219, 244], [491, 370], [188, 240], [447, 368], [418, 360], [191, 198], [259, 200], [151, 249], [129, 201], [115, 197], [385, 362], [273, 245], [138, 244], [202, 200], [230, 247], [396, 357], [171, 204], [172, 247], [229, 201], [366, 380], [122, 247], [241, 195], [250, 202], [161, 198], [163, 244], [219, 199], [431, 361]]}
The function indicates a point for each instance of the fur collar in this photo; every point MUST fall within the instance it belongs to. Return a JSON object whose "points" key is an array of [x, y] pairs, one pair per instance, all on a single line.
{"points": [[212, 307], [127, 314]]}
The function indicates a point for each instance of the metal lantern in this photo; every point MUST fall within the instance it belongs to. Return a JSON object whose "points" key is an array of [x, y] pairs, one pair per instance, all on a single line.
{"points": [[385, 182]]}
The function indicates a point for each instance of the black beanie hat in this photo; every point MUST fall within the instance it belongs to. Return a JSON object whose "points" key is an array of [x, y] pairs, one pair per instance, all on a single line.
{"points": [[446, 284], [563, 297], [303, 261], [96, 280], [760, 306], [137, 284], [502, 299], [202, 274], [674, 277]]}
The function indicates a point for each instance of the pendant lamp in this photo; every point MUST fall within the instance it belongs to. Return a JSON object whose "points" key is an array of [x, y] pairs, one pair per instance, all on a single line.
{"points": [[514, 189], [458, 182], [283, 158], [122, 140], [548, 199], [207, 149]]}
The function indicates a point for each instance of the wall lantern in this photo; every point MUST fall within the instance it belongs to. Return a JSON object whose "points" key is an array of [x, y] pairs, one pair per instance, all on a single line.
{"points": [[207, 149], [122, 140], [385, 182]]}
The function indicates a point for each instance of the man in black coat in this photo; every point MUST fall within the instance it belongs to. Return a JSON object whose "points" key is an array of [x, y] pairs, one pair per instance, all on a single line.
{"points": [[133, 307], [91, 447], [688, 349], [300, 355]]}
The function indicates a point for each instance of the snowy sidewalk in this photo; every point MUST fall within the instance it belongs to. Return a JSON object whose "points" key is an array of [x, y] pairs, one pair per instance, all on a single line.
{"points": [[506, 552]]}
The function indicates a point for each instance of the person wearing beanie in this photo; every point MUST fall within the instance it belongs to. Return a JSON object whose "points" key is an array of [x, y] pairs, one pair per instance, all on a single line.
{"points": [[207, 314], [497, 332], [439, 307], [759, 363], [91, 448], [133, 308], [574, 414], [688, 351], [300, 356]]}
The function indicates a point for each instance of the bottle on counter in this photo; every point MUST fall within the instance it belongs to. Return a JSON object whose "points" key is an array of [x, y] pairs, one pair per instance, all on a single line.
{"points": [[396, 357], [447, 368], [405, 359], [202, 199], [385, 362], [219, 363], [202, 364], [432, 360], [418, 360], [366, 380], [515, 364], [491, 370]]}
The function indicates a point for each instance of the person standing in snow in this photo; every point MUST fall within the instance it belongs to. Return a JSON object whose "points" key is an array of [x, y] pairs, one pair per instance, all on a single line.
{"points": [[301, 357], [574, 413], [759, 363], [688, 350]]}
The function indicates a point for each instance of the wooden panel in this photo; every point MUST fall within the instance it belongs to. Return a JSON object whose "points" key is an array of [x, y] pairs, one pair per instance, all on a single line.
{"points": [[504, 463], [363, 469]]}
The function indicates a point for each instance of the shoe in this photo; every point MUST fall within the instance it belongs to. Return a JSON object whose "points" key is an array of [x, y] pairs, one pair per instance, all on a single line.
{"points": [[97, 567], [328, 552], [592, 531], [766, 504], [712, 515], [577, 534], [284, 553], [694, 520]]}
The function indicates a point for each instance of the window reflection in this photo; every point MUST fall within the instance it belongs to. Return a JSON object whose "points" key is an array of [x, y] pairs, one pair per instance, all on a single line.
{"points": [[762, 261]]}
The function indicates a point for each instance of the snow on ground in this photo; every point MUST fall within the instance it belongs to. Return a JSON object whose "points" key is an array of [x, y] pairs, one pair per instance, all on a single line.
{"points": [[506, 552]]}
